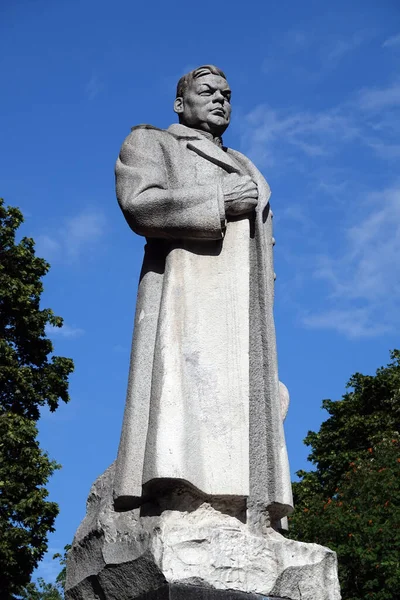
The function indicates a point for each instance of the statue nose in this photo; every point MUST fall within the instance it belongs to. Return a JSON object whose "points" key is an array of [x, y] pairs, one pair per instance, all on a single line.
{"points": [[218, 97]]}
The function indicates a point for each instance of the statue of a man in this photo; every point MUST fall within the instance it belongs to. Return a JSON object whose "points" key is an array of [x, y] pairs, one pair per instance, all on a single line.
{"points": [[203, 411]]}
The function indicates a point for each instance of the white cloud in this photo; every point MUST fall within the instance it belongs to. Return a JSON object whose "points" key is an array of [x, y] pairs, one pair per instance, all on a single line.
{"points": [[370, 118], [340, 47], [334, 189], [75, 236], [266, 130], [311, 55], [298, 215], [353, 323], [374, 245], [118, 348], [66, 331], [295, 40], [392, 41], [364, 279], [357, 275], [47, 246], [93, 87], [84, 229], [385, 150], [380, 98]]}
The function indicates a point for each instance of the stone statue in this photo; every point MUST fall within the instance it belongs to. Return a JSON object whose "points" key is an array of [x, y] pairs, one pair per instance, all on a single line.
{"points": [[203, 407], [192, 507]]}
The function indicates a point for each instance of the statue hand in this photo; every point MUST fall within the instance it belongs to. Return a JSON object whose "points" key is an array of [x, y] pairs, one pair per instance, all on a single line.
{"points": [[240, 194]]}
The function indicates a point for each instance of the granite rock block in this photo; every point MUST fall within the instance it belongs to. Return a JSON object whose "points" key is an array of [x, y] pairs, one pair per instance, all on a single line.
{"points": [[123, 556]]}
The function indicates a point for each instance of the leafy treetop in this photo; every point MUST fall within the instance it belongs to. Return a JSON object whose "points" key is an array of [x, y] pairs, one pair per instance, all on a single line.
{"points": [[30, 377], [351, 501]]}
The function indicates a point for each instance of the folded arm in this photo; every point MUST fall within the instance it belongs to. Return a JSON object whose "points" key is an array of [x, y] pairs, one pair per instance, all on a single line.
{"points": [[155, 209]]}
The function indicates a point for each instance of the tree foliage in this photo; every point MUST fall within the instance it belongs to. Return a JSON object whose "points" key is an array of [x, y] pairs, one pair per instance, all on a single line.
{"points": [[30, 377], [40, 590], [351, 501]]}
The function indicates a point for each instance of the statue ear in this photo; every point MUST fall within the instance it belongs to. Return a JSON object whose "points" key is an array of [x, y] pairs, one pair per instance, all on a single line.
{"points": [[178, 105]]}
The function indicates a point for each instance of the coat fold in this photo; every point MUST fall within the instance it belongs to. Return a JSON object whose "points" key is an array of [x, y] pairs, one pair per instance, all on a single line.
{"points": [[203, 403]]}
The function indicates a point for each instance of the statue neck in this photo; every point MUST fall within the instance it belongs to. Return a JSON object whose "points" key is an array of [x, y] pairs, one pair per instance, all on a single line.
{"points": [[216, 139]]}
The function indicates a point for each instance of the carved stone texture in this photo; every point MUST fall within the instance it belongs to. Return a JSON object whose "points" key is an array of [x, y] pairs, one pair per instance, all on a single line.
{"points": [[185, 592], [126, 556], [201, 483], [203, 403]]}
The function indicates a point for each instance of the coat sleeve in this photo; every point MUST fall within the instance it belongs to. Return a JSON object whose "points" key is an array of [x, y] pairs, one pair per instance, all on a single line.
{"points": [[155, 209]]}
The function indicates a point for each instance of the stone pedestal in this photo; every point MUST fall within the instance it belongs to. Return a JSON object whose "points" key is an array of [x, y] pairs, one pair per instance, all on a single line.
{"points": [[194, 592], [202, 554]]}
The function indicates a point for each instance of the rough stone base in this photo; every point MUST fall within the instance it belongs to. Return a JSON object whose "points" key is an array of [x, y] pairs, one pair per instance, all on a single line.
{"points": [[194, 592], [198, 555]]}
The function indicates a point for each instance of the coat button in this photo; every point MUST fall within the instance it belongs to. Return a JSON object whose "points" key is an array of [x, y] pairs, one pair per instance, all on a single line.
{"points": [[273, 241], [274, 276]]}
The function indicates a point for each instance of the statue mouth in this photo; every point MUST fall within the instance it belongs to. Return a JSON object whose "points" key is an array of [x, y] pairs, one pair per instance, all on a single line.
{"points": [[219, 112]]}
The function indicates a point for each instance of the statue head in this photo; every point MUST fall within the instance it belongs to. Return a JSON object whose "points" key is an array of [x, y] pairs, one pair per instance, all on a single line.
{"points": [[203, 99]]}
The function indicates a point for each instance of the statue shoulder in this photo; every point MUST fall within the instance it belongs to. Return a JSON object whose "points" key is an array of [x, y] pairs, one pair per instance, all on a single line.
{"points": [[146, 126], [145, 133]]}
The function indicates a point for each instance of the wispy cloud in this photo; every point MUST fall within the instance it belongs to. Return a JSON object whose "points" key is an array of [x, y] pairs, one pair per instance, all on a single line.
{"points": [[119, 349], [47, 246], [313, 134], [334, 189], [356, 275], [353, 323], [392, 41], [295, 40], [340, 47], [370, 117], [380, 98], [374, 247], [311, 55], [66, 331], [84, 229], [76, 235], [364, 279], [93, 87], [385, 150]]}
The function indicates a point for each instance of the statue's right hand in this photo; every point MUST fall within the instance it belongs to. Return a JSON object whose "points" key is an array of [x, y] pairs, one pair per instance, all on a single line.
{"points": [[240, 194]]}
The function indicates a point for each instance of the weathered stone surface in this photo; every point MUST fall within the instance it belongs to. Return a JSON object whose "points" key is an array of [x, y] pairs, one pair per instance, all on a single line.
{"points": [[203, 403], [123, 555], [192, 592], [201, 484]]}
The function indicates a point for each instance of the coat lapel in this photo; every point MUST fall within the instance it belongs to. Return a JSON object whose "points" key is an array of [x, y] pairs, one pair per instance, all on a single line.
{"points": [[230, 160], [205, 148]]}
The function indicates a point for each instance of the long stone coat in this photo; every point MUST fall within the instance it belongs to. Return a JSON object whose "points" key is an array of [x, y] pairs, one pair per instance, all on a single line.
{"points": [[203, 403]]}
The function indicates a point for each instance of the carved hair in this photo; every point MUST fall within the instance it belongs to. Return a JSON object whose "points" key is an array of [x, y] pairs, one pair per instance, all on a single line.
{"points": [[187, 79]]}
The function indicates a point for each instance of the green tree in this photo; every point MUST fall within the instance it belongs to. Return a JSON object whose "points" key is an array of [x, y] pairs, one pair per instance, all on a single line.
{"points": [[351, 501], [30, 377], [62, 576], [41, 590]]}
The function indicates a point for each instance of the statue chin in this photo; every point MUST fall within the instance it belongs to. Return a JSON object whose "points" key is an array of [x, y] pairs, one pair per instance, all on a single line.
{"points": [[215, 125], [218, 124]]}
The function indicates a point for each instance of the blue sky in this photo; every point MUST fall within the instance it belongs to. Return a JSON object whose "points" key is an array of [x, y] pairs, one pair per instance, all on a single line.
{"points": [[316, 98]]}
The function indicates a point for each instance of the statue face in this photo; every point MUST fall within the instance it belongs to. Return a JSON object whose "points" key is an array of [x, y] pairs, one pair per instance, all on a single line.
{"points": [[206, 104]]}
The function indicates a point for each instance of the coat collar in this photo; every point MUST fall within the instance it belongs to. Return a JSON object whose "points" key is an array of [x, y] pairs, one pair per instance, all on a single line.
{"points": [[204, 147]]}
